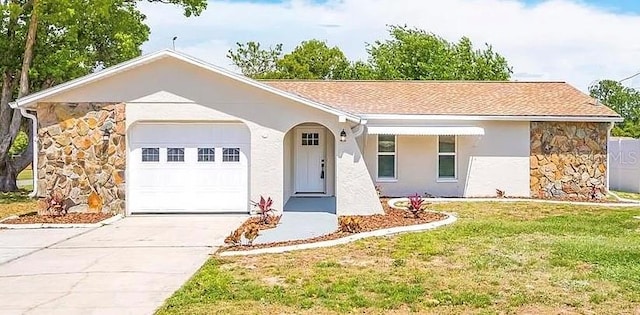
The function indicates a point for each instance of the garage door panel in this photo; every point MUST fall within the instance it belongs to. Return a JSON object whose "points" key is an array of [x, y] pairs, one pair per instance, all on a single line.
{"points": [[189, 185]]}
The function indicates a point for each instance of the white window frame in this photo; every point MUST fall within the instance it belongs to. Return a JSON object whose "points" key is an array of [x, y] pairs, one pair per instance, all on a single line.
{"points": [[225, 157], [395, 160], [455, 161], [143, 155], [182, 153]]}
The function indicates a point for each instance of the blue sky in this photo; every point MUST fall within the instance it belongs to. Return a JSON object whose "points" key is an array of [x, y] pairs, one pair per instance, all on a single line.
{"points": [[577, 41], [620, 6]]}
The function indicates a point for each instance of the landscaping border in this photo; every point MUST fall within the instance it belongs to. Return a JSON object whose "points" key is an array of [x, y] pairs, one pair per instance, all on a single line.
{"points": [[624, 202], [344, 240], [57, 225]]}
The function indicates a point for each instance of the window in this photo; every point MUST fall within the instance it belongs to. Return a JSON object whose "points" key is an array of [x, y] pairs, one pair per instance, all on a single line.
{"points": [[310, 138], [175, 154], [446, 157], [386, 156], [206, 154], [150, 154], [231, 155]]}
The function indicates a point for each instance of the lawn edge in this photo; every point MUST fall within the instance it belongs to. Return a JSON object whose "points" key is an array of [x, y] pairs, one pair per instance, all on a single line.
{"points": [[344, 240], [107, 221], [625, 202]]}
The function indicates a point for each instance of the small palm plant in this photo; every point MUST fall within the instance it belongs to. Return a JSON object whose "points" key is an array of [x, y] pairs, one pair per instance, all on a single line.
{"points": [[415, 205], [265, 209]]}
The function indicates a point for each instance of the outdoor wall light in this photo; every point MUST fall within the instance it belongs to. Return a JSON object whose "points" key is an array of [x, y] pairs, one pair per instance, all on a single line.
{"points": [[106, 131], [343, 136], [105, 135]]}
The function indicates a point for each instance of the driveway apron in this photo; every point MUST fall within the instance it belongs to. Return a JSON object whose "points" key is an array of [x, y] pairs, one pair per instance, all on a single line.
{"points": [[129, 267]]}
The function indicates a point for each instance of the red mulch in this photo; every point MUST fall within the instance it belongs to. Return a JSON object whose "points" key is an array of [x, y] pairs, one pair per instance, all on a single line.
{"points": [[390, 218], [71, 218]]}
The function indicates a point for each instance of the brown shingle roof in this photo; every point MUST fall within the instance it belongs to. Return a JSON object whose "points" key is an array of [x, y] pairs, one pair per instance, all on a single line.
{"points": [[449, 97]]}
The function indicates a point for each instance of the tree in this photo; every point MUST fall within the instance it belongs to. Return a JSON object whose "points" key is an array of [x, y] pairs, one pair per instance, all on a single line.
{"points": [[624, 100], [414, 54], [254, 61], [313, 59], [46, 42]]}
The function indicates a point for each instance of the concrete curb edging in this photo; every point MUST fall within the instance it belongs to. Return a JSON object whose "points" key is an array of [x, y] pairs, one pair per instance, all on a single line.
{"points": [[57, 226], [629, 202], [351, 238]]}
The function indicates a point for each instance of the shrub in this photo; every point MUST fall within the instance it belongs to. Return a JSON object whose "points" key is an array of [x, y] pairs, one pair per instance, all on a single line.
{"points": [[55, 204], [251, 232], [235, 238], [350, 224], [415, 205], [265, 210]]}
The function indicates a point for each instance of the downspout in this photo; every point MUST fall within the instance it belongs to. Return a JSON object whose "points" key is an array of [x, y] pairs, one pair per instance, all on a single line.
{"points": [[34, 136], [611, 124]]}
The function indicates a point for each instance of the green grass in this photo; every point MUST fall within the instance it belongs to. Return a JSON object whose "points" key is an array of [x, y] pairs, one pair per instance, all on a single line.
{"points": [[498, 258], [26, 174], [628, 195], [14, 203]]}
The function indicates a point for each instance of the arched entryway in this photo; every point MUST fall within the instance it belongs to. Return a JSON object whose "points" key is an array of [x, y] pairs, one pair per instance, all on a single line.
{"points": [[309, 161]]}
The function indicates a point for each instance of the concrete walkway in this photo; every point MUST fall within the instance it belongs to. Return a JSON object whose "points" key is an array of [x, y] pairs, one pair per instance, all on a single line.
{"points": [[129, 267], [303, 218]]}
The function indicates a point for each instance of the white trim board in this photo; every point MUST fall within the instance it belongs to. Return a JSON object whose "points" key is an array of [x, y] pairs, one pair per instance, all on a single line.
{"points": [[136, 62]]}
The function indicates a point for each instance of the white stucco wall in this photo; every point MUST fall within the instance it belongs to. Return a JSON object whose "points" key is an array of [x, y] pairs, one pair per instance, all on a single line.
{"points": [[624, 164], [171, 90], [497, 160]]}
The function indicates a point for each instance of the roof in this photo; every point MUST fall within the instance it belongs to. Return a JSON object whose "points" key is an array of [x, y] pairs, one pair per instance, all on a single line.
{"points": [[34, 98], [459, 98]]}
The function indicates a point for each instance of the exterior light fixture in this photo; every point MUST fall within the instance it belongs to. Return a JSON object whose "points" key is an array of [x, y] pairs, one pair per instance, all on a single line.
{"points": [[343, 136], [105, 135]]}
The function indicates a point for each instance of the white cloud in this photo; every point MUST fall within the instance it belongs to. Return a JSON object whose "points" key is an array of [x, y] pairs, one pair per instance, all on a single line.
{"points": [[555, 40]]}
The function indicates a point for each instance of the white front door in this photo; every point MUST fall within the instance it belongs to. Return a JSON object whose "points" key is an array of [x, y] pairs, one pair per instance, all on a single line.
{"points": [[310, 166]]}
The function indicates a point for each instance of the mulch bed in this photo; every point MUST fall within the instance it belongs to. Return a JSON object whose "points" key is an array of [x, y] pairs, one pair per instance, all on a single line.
{"points": [[71, 218], [391, 218]]}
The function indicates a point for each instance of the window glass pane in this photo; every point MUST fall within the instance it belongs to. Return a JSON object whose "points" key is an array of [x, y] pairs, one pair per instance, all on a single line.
{"points": [[446, 166], [150, 154], [175, 154], [206, 154], [386, 166], [447, 144], [386, 143], [231, 155]]}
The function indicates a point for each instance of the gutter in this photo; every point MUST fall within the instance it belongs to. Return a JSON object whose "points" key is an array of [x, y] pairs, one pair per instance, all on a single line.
{"points": [[492, 117], [34, 136]]}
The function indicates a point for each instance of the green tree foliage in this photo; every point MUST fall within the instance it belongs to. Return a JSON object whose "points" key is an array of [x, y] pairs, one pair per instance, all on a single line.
{"points": [[19, 144], [313, 59], [625, 101], [414, 54], [47, 42], [254, 61], [410, 54]]}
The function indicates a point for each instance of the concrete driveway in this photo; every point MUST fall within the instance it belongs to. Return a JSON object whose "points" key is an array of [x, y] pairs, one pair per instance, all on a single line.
{"points": [[129, 267]]}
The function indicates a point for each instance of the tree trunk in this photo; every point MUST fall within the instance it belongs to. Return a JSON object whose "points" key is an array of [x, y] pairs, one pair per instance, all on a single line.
{"points": [[9, 166]]}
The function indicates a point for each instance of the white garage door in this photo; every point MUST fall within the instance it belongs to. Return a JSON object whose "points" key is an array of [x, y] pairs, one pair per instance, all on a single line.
{"points": [[188, 168]]}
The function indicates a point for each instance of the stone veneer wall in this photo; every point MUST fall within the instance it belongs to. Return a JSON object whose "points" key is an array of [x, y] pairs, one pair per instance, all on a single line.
{"points": [[568, 160], [75, 160]]}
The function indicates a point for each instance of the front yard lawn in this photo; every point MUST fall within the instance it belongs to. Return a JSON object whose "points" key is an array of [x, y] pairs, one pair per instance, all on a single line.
{"points": [[498, 258], [628, 195], [16, 203]]}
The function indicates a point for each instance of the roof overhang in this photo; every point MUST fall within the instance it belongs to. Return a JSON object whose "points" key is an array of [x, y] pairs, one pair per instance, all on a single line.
{"points": [[427, 131], [32, 99], [374, 117]]}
